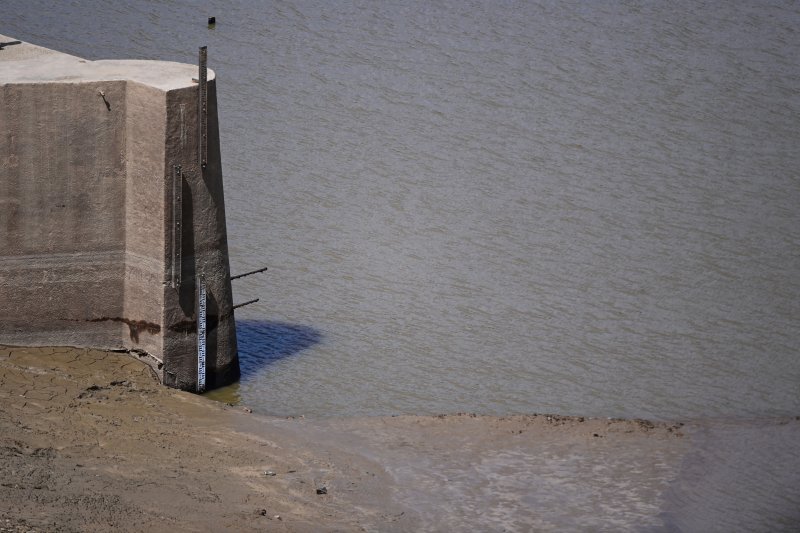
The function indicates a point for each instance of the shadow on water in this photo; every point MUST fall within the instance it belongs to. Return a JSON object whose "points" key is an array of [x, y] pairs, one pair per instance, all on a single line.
{"points": [[262, 343]]}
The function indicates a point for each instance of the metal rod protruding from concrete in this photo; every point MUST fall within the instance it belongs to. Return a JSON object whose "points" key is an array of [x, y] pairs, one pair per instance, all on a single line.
{"points": [[237, 306], [248, 273], [9, 43]]}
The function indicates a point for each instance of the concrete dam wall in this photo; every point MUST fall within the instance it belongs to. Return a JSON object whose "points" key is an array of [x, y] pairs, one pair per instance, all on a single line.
{"points": [[112, 211]]}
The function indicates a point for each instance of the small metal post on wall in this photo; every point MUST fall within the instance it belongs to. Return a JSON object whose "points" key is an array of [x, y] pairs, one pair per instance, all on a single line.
{"points": [[203, 106], [201, 334]]}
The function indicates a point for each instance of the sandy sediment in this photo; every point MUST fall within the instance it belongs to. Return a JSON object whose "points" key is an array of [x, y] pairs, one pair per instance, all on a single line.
{"points": [[89, 441]]}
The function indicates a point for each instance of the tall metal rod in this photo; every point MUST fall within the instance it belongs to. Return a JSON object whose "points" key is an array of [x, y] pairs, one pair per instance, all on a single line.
{"points": [[203, 106], [249, 273], [177, 230]]}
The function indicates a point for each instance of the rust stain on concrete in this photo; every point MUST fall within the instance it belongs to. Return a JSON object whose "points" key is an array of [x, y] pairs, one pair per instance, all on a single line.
{"points": [[184, 326], [135, 326]]}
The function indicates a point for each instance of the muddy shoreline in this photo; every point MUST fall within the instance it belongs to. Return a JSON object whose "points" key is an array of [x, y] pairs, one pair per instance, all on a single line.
{"points": [[90, 441]]}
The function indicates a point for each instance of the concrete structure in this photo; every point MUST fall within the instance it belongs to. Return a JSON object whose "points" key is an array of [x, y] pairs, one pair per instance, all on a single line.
{"points": [[107, 217]]}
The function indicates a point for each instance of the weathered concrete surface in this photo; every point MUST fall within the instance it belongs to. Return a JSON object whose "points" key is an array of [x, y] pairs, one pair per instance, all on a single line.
{"points": [[88, 151]]}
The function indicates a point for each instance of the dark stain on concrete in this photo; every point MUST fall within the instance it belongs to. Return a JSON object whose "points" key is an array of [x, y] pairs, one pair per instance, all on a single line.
{"points": [[135, 326], [190, 326], [184, 326]]}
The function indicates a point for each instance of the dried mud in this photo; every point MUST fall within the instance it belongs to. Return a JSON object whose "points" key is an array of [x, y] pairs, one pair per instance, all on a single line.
{"points": [[89, 441]]}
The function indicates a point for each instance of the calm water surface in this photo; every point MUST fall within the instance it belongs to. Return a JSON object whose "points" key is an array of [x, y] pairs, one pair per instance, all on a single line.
{"points": [[585, 208]]}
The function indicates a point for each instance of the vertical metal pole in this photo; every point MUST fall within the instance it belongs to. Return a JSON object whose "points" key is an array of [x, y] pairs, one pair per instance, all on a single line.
{"points": [[203, 106], [177, 230], [201, 334]]}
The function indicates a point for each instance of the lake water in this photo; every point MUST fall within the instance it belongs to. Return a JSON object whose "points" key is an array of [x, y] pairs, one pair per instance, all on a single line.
{"points": [[585, 208]]}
